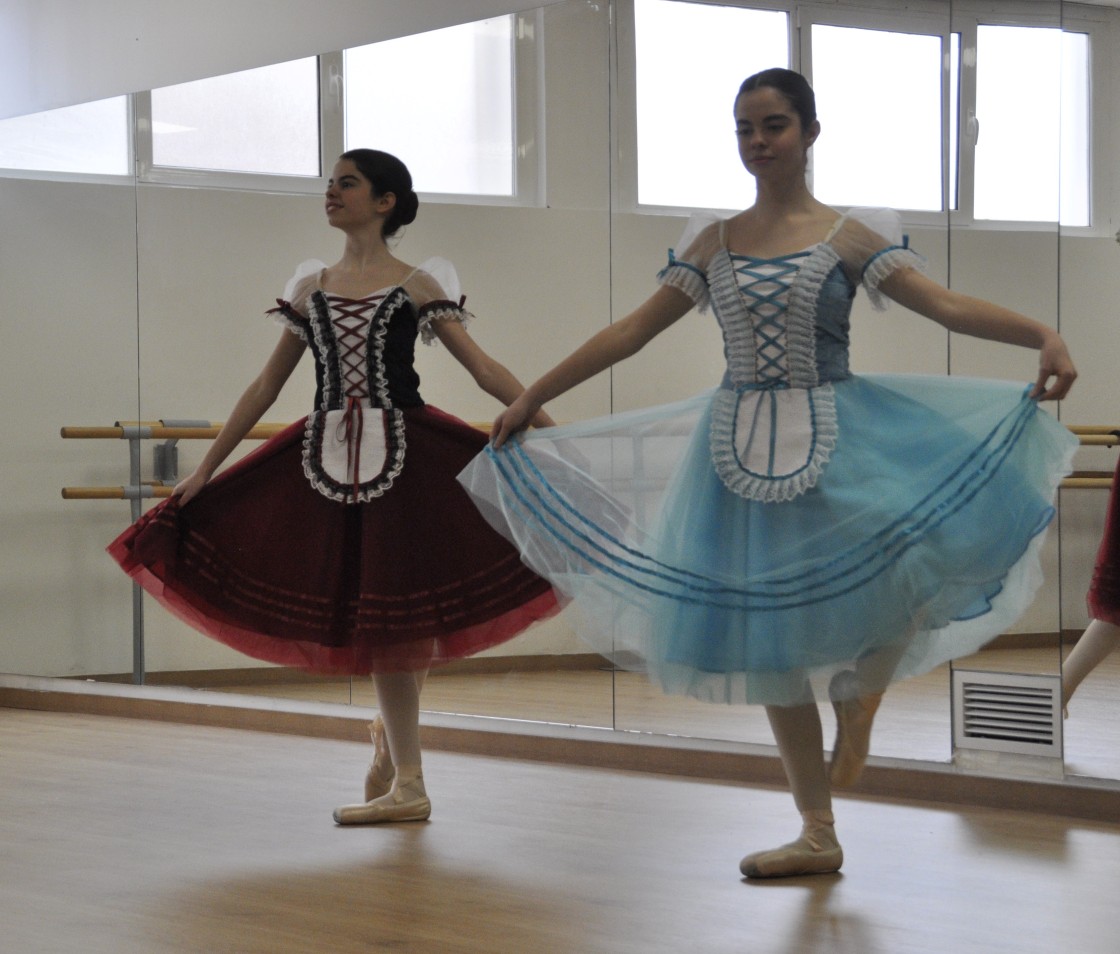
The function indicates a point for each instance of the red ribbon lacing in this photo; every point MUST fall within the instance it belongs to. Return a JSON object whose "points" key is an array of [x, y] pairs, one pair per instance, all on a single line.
{"points": [[351, 426]]}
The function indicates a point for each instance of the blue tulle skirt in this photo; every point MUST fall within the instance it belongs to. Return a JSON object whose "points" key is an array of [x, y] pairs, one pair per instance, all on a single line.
{"points": [[918, 544]]}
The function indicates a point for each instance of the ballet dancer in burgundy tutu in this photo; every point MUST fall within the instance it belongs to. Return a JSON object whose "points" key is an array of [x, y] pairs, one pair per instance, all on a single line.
{"points": [[345, 544]]}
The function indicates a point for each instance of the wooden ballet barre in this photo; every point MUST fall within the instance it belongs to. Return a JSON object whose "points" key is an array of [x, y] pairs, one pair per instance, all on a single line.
{"points": [[161, 431], [1096, 435], [165, 430], [1092, 435], [156, 430], [1086, 483], [1094, 429], [168, 432], [117, 493]]}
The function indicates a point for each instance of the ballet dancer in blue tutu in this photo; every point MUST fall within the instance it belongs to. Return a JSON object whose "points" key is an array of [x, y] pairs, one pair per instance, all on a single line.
{"points": [[798, 532]]}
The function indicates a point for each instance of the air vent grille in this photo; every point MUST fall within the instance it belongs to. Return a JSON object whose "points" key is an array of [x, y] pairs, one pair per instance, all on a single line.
{"points": [[1007, 712]]}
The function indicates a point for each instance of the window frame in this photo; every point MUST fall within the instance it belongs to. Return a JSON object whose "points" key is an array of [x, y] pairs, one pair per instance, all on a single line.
{"points": [[528, 126], [967, 17], [918, 16], [1103, 135], [926, 19], [528, 123], [148, 173], [528, 137]]}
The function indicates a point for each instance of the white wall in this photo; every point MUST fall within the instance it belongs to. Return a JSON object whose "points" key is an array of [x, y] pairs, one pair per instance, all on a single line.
{"points": [[68, 274]]}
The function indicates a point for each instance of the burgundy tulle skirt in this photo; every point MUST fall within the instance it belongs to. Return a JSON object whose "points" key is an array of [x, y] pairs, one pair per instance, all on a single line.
{"points": [[264, 563], [1104, 591]]}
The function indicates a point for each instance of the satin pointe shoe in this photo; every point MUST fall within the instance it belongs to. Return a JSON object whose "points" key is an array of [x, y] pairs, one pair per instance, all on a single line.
{"points": [[816, 852], [379, 777], [406, 801], [854, 718]]}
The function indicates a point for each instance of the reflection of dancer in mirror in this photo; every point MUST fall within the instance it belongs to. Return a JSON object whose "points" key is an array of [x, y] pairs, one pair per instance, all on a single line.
{"points": [[1102, 635], [345, 544], [817, 533]]}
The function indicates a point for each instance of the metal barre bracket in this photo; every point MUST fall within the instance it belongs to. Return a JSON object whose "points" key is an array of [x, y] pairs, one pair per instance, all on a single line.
{"points": [[165, 456]]}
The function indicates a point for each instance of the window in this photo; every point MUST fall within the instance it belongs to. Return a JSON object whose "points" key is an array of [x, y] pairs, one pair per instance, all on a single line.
{"points": [[262, 121], [1031, 97], [902, 100], [685, 131], [89, 139], [885, 153], [276, 127], [461, 80]]}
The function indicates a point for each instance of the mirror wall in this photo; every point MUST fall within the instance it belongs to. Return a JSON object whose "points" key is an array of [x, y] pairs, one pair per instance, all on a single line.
{"points": [[1026, 280], [146, 302], [1087, 278]]}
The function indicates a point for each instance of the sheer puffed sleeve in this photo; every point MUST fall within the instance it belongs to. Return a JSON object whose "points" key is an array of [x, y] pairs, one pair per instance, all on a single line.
{"points": [[687, 269], [434, 287], [291, 310], [872, 246]]}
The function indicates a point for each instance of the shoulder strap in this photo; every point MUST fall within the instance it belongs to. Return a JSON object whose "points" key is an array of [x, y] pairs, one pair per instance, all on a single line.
{"points": [[836, 227]]}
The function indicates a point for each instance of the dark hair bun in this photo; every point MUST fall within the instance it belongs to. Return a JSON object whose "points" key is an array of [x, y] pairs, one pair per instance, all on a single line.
{"points": [[387, 173], [407, 206]]}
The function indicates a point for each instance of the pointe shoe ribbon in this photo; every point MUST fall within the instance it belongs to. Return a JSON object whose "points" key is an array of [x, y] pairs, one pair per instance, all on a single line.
{"points": [[854, 718], [379, 777]]}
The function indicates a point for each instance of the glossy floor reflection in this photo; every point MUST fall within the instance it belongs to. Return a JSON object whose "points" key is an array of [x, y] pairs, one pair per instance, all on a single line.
{"points": [[122, 836], [914, 721]]}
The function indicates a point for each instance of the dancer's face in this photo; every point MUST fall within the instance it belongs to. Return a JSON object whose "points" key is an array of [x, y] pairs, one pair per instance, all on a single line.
{"points": [[772, 142], [350, 201]]}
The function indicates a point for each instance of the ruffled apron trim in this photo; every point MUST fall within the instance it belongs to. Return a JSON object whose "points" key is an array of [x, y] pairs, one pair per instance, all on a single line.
{"points": [[353, 454], [772, 444]]}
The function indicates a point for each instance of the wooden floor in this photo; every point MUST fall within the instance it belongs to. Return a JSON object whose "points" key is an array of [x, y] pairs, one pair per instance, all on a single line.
{"points": [[123, 836]]}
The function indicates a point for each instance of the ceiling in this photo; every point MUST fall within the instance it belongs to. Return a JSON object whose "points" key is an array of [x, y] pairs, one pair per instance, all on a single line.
{"points": [[60, 52]]}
